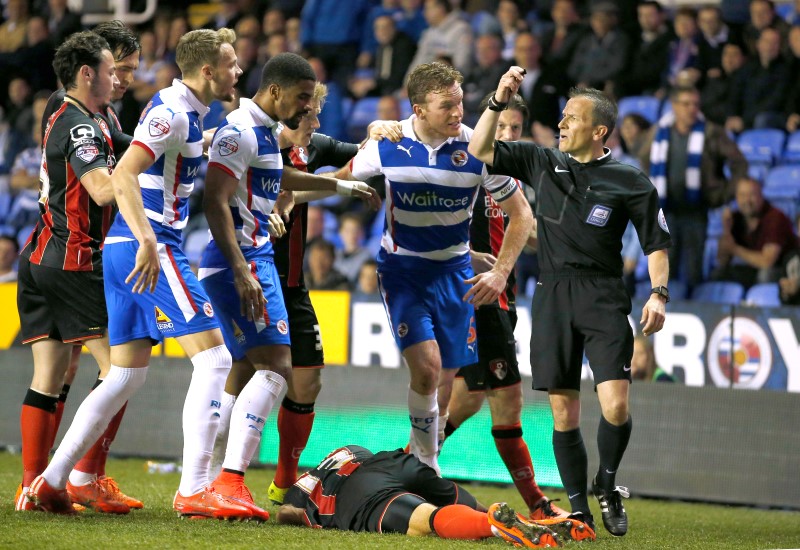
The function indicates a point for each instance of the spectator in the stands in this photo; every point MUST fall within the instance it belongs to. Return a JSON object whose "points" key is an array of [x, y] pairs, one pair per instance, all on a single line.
{"points": [[685, 158], [601, 55], [633, 133], [643, 364], [762, 16], [321, 275], [228, 15], [18, 106], [9, 250], [560, 42], [247, 57], [447, 35], [316, 223], [250, 26], [789, 282], [12, 30], [651, 54], [293, 42], [715, 95], [484, 75], [274, 22], [411, 20], [511, 24], [389, 108], [178, 26], [714, 35], [683, 51], [144, 80], [24, 180], [349, 258], [61, 21], [792, 110], [368, 278], [759, 91], [332, 118], [395, 51], [331, 31], [34, 59], [755, 240], [541, 86]]}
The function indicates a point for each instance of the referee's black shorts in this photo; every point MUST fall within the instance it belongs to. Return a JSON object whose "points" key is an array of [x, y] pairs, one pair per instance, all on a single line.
{"points": [[497, 365], [574, 313], [63, 305], [303, 328]]}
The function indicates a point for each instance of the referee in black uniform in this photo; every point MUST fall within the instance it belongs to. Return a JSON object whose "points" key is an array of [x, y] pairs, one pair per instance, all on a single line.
{"points": [[584, 201]]}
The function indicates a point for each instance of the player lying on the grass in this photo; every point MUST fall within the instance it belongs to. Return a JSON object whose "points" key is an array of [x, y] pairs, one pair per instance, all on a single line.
{"points": [[353, 489]]}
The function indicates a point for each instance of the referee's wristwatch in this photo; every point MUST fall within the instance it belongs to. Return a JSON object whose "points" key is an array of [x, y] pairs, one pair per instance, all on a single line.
{"points": [[661, 291]]}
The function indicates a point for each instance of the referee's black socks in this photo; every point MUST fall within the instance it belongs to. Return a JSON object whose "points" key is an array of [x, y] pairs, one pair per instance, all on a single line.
{"points": [[570, 453], [611, 444]]}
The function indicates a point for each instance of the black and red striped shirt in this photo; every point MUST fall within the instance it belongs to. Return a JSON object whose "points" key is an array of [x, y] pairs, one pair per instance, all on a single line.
{"points": [[486, 232], [291, 249], [71, 228]]}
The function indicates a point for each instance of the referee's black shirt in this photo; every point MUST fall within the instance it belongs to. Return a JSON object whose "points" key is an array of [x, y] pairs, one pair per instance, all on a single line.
{"points": [[583, 208]]}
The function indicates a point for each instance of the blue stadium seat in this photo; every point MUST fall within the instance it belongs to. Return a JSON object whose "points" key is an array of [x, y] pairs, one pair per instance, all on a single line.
{"points": [[791, 153], [764, 295], [785, 198], [195, 244], [364, 111], [647, 106], [405, 109], [714, 228], [710, 256], [783, 176], [719, 292], [762, 146]]}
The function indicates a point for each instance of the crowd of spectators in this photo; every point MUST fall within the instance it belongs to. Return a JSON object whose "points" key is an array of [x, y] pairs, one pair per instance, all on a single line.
{"points": [[717, 69]]}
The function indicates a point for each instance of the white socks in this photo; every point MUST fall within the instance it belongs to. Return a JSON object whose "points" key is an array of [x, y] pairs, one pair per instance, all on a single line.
{"points": [[92, 419], [201, 416], [249, 413], [423, 411], [221, 441]]}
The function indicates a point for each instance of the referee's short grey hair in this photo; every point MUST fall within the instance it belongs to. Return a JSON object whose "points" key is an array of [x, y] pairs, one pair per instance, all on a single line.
{"points": [[604, 110]]}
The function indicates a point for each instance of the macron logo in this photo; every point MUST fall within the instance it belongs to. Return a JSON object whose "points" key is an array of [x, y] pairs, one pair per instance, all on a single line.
{"points": [[401, 148]]}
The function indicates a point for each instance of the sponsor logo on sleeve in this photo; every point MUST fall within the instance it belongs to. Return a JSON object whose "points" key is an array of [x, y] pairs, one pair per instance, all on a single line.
{"points": [[599, 215], [459, 158], [228, 146], [662, 220], [158, 126], [87, 153], [81, 132]]}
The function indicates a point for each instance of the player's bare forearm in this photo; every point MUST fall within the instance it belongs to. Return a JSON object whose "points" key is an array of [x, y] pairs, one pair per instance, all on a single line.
{"points": [[220, 187], [128, 194], [760, 259], [520, 224], [290, 515], [301, 197], [295, 180]]}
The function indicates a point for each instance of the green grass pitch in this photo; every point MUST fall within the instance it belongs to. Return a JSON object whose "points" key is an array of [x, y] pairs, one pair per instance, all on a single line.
{"points": [[653, 524]]}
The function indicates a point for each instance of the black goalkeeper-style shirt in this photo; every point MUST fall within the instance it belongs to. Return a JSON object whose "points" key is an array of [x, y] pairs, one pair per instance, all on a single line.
{"points": [[291, 249], [582, 209], [71, 227]]}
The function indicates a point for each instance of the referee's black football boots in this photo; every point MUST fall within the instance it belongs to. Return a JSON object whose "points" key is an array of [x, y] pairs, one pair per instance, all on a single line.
{"points": [[615, 519]]}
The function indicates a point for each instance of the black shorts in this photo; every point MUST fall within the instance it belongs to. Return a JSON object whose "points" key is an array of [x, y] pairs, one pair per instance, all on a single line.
{"points": [[303, 328], [374, 496], [573, 314], [63, 305], [497, 365]]}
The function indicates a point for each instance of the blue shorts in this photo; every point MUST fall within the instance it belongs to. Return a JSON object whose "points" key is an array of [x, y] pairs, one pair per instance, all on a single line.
{"points": [[241, 334], [430, 307], [179, 305]]}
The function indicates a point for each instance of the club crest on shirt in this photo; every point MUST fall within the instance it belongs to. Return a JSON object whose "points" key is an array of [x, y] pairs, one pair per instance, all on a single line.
{"points": [[103, 126], [208, 310], [459, 158], [228, 146], [158, 126], [662, 220], [499, 368], [599, 215], [303, 154], [282, 327], [87, 152], [402, 330]]}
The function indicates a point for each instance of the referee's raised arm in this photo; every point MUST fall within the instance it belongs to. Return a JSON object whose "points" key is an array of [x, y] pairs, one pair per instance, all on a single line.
{"points": [[481, 146]]}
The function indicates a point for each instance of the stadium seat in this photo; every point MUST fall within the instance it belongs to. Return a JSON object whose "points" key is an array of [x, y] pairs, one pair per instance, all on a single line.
{"points": [[764, 295], [719, 292], [791, 153], [763, 146], [714, 228], [405, 109], [364, 111], [195, 245], [647, 106], [784, 197], [783, 176], [710, 256]]}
